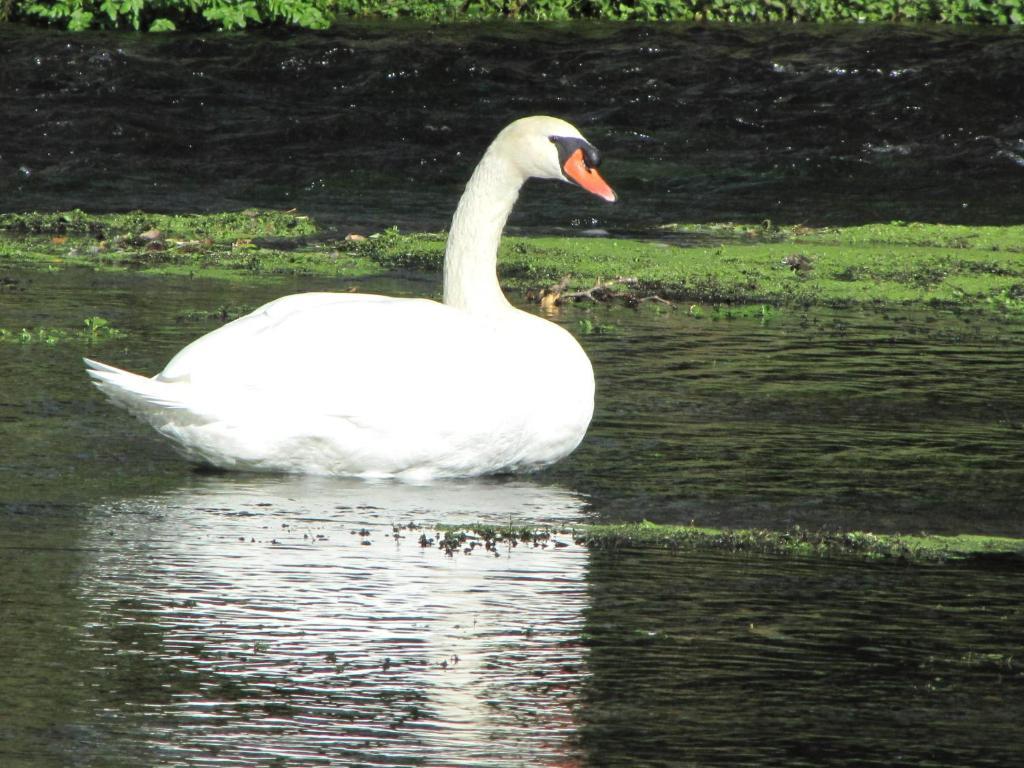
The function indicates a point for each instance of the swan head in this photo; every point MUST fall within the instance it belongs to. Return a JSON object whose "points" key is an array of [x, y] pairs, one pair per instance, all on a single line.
{"points": [[543, 147]]}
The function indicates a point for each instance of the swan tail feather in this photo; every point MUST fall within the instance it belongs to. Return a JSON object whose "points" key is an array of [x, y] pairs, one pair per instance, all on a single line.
{"points": [[131, 391]]}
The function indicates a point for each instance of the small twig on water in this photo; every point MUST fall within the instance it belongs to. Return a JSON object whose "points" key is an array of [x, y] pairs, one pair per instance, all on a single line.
{"points": [[601, 290], [658, 299]]}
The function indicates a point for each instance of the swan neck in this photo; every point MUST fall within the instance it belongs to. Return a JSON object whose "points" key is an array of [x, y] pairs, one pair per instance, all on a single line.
{"points": [[471, 256]]}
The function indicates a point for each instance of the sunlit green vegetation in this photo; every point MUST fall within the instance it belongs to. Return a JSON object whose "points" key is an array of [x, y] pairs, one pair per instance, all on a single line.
{"points": [[797, 542], [92, 330], [735, 270], [800, 542], [169, 15]]}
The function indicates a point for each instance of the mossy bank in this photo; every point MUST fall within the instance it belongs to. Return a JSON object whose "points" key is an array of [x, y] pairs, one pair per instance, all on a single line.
{"points": [[796, 542], [695, 266]]}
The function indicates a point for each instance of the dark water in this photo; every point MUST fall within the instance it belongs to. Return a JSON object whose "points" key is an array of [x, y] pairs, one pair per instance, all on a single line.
{"points": [[370, 126], [153, 616], [831, 419], [248, 624]]}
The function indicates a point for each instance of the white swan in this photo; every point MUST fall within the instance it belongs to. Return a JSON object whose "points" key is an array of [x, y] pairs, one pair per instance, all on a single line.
{"points": [[373, 386]]}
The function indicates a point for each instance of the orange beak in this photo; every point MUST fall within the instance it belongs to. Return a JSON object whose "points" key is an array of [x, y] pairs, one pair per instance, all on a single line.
{"points": [[588, 178]]}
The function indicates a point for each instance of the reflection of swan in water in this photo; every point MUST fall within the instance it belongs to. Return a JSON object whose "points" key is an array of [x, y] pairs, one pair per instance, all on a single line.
{"points": [[311, 631], [454, 502]]}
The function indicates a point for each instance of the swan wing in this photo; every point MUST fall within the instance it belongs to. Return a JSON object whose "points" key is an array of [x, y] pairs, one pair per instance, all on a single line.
{"points": [[371, 359]]}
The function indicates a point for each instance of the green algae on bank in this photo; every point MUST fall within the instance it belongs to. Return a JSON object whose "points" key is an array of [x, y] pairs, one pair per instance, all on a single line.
{"points": [[801, 542], [246, 245], [880, 265], [133, 224], [795, 542]]}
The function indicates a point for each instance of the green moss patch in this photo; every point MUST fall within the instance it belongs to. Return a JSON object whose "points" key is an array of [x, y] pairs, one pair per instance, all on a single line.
{"points": [[129, 228], [800, 542], [700, 266], [246, 245], [796, 542]]}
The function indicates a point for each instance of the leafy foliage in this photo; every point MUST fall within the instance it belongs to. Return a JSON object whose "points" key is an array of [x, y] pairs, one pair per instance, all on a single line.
{"points": [[169, 15]]}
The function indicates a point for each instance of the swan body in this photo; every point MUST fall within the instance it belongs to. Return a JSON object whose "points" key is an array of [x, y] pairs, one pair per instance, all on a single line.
{"points": [[374, 386]]}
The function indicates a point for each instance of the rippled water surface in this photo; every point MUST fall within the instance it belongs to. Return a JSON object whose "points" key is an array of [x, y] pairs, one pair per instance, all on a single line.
{"points": [[156, 616], [853, 419], [151, 615], [282, 623], [371, 126]]}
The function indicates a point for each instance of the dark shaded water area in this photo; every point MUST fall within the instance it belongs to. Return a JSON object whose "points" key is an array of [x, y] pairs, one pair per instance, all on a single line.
{"points": [[157, 616], [901, 421], [279, 623], [369, 126], [152, 615]]}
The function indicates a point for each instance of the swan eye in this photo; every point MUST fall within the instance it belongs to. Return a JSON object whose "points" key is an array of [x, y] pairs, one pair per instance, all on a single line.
{"points": [[568, 145]]}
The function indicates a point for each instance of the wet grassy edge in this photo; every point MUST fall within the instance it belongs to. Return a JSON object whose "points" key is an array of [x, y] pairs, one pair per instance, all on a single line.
{"points": [[878, 265], [795, 542]]}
